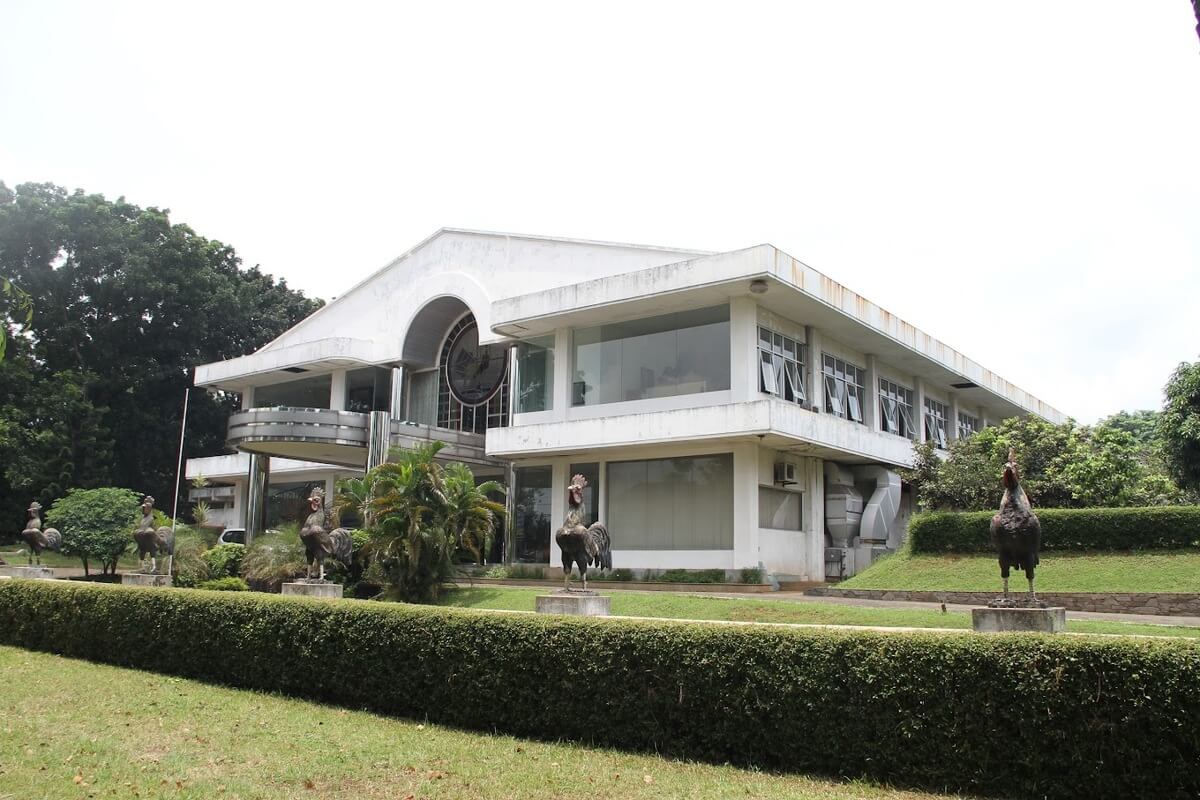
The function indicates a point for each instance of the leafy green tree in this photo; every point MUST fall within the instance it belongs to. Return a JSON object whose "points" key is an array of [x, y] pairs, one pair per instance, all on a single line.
{"points": [[125, 303], [471, 515], [96, 524], [1062, 466], [1180, 425]]}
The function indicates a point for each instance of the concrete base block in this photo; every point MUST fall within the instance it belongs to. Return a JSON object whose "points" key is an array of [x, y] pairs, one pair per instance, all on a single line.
{"points": [[1035, 620], [145, 579], [577, 604], [324, 590], [28, 573]]}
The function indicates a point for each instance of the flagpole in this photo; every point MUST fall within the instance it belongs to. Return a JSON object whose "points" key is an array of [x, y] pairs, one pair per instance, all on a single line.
{"points": [[179, 465]]}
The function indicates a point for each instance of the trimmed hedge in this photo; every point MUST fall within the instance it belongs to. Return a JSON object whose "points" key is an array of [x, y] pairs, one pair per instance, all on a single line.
{"points": [[1008, 715], [1156, 527]]}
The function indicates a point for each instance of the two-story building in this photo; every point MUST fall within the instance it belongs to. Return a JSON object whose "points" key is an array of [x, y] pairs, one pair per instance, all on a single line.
{"points": [[729, 410]]}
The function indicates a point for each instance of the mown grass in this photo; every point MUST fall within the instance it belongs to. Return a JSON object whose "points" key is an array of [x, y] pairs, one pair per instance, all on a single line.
{"points": [[670, 605], [1143, 571], [71, 729]]}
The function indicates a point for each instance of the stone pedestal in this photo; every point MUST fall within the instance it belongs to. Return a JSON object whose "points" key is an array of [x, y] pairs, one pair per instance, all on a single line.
{"points": [[325, 590], [1003, 620], [29, 573], [145, 579], [578, 604]]}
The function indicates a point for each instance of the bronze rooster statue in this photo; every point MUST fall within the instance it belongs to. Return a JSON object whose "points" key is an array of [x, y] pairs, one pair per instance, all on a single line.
{"points": [[319, 542], [38, 539], [1016, 533], [581, 546], [153, 542]]}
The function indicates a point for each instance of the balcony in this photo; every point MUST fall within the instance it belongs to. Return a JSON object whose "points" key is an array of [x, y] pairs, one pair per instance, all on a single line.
{"points": [[338, 437]]}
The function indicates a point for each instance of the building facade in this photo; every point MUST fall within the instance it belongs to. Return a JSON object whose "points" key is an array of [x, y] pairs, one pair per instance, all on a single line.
{"points": [[730, 410]]}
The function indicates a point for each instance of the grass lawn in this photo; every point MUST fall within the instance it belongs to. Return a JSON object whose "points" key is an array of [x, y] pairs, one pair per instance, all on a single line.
{"points": [[70, 729], [1146, 571], [672, 605]]}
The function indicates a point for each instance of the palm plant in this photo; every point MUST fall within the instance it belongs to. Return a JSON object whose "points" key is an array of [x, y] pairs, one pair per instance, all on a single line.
{"points": [[471, 515], [354, 494]]}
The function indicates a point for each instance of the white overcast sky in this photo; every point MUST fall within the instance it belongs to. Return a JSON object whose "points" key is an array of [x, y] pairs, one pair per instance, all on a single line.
{"points": [[1019, 179]]}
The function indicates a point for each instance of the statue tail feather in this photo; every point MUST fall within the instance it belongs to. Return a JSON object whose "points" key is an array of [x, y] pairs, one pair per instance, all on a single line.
{"points": [[53, 539], [603, 546], [343, 545]]}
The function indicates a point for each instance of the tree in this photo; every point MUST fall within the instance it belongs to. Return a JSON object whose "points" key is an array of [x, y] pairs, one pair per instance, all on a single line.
{"points": [[1180, 425], [1062, 466], [421, 514], [96, 524], [125, 304], [472, 516]]}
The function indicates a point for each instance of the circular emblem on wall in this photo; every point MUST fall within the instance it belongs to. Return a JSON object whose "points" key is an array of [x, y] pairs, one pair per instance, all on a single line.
{"points": [[474, 372]]}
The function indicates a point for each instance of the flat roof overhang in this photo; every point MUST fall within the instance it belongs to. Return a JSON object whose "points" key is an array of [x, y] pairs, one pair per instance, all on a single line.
{"points": [[794, 291], [288, 363]]}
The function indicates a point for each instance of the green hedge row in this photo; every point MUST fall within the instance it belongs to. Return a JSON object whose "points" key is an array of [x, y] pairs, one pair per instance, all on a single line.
{"points": [[1158, 527], [1007, 715]]}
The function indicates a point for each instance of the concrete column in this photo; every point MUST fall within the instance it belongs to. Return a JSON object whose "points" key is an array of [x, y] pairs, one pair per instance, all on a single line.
{"points": [[814, 518], [983, 418], [919, 407], [564, 374], [558, 504], [337, 390], [510, 509], [815, 385], [871, 401], [743, 350], [379, 438], [399, 401], [257, 481], [331, 491], [952, 422], [745, 505], [513, 381], [247, 398]]}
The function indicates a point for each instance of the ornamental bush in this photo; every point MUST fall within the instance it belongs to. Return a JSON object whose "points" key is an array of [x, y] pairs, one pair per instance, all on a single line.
{"points": [[224, 560], [224, 585], [1009, 715], [96, 525], [1155, 527]]}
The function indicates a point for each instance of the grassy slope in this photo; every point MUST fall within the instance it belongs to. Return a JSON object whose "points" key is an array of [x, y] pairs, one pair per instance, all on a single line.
{"points": [[686, 606], [1147, 571], [70, 729]]}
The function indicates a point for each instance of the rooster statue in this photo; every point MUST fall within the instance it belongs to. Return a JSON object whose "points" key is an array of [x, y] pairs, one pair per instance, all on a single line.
{"points": [[152, 542], [38, 539], [581, 546], [319, 542], [1016, 533]]}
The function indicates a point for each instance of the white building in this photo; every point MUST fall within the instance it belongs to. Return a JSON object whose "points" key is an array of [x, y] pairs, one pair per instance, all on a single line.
{"points": [[730, 410]]}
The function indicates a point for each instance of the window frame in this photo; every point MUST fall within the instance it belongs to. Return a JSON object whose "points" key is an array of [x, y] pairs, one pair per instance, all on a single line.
{"points": [[845, 388]]}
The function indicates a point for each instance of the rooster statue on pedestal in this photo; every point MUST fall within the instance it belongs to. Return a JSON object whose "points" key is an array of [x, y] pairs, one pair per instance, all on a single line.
{"points": [[581, 546], [1016, 533]]}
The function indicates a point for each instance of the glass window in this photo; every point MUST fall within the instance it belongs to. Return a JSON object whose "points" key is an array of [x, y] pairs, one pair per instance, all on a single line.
{"points": [[288, 502], [591, 495], [935, 422], [305, 393], [781, 366], [844, 390], [967, 425], [778, 509], [423, 397], [671, 503], [368, 389], [535, 374], [531, 515], [896, 409], [682, 353]]}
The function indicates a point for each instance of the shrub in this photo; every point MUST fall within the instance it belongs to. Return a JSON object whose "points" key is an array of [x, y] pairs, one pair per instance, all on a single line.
{"points": [[273, 559], [224, 560], [227, 584], [1014, 715], [751, 575], [1155, 527], [96, 524], [689, 576], [190, 566]]}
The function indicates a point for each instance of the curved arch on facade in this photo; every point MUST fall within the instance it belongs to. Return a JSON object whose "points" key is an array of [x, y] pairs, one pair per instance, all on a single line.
{"points": [[451, 294]]}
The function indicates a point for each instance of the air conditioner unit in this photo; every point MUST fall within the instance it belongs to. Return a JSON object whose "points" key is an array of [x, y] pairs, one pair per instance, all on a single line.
{"points": [[785, 473]]}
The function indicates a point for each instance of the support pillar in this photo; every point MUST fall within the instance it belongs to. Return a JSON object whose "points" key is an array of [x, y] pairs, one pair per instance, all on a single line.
{"points": [[247, 398], [379, 438], [514, 383], [398, 405], [510, 511], [337, 390], [256, 495], [871, 401], [815, 369], [743, 349], [919, 407], [952, 422]]}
